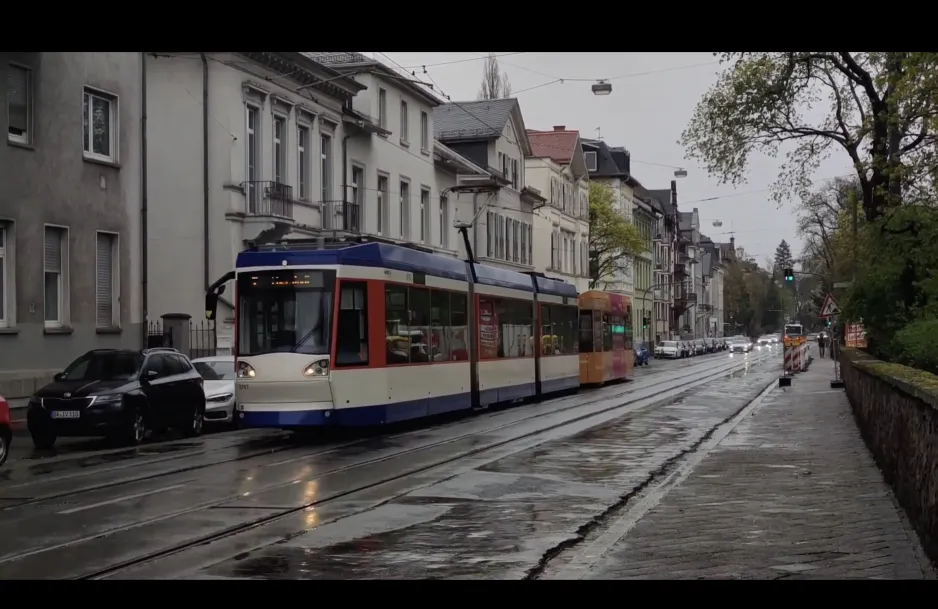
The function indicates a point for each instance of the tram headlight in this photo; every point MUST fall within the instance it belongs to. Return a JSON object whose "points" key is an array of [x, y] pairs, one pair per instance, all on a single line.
{"points": [[320, 368], [246, 371]]}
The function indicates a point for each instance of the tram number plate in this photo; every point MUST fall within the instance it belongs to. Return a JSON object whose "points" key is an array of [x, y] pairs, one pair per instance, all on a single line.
{"points": [[66, 414], [242, 386]]}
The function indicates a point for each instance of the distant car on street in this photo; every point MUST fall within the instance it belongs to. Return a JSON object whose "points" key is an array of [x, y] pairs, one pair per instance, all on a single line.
{"points": [[120, 394], [219, 375], [740, 345], [6, 430]]}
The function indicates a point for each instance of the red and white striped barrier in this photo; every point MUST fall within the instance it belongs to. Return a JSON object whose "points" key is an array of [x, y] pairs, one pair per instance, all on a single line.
{"points": [[788, 355]]}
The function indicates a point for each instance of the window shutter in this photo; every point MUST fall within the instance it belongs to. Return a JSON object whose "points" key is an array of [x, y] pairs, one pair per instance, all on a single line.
{"points": [[104, 305], [53, 250]]}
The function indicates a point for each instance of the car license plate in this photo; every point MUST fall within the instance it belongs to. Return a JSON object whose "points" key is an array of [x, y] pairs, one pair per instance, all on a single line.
{"points": [[66, 414]]}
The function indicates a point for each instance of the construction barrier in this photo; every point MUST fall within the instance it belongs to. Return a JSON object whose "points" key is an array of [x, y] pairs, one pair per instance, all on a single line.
{"points": [[796, 356], [787, 351], [804, 354]]}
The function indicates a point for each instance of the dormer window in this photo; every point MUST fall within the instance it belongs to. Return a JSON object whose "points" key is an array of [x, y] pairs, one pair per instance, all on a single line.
{"points": [[591, 161]]}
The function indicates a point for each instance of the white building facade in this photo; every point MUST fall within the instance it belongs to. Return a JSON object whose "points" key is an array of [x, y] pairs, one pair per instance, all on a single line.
{"points": [[557, 168], [491, 135], [241, 145]]}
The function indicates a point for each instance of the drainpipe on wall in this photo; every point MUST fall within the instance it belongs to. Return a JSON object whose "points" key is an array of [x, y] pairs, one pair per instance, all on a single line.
{"points": [[475, 225], [205, 199], [143, 199]]}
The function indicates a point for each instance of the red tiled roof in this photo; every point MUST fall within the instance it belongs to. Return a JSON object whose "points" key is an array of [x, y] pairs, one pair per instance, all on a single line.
{"points": [[559, 145]]}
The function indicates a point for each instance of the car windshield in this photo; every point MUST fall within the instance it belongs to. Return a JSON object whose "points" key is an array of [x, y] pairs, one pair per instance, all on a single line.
{"points": [[216, 370], [669, 343], [285, 311], [104, 366]]}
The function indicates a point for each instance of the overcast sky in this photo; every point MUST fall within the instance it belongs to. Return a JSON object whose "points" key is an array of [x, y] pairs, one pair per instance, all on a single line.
{"points": [[653, 97]]}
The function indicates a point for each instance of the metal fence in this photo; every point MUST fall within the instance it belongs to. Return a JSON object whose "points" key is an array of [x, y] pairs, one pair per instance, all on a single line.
{"points": [[202, 338]]}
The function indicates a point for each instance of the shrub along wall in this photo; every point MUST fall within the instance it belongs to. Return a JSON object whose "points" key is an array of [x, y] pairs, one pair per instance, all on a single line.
{"points": [[896, 409]]}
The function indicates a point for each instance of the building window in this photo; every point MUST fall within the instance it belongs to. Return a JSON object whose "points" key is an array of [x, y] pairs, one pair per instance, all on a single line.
{"points": [[530, 244], [424, 132], [515, 177], [279, 156], [524, 241], [382, 108], [4, 293], [424, 215], [590, 161], [351, 338], [107, 273], [405, 136], [384, 212], [302, 142], [358, 186], [252, 156], [325, 172], [584, 256], [444, 221], [405, 210], [515, 247], [508, 244], [100, 126], [55, 270], [19, 104], [490, 231]]}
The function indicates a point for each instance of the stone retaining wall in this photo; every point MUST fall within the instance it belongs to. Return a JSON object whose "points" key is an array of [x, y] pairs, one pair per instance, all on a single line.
{"points": [[896, 409]]}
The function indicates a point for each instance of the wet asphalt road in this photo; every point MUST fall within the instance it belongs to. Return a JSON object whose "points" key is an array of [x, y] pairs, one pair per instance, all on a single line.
{"points": [[498, 495]]}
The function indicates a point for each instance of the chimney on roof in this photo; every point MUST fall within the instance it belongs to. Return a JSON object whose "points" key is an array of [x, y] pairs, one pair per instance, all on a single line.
{"points": [[560, 127]]}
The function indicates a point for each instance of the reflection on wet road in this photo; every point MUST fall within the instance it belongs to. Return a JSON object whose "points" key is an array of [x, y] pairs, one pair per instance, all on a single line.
{"points": [[490, 496]]}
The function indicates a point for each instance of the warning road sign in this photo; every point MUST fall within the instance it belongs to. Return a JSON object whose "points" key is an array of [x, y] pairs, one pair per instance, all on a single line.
{"points": [[829, 308]]}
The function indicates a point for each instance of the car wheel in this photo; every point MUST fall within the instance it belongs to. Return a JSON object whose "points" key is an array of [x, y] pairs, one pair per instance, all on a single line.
{"points": [[43, 440], [196, 424], [137, 432], [5, 437]]}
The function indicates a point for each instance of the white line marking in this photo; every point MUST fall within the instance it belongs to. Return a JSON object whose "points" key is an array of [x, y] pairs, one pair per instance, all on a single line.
{"points": [[119, 499]]}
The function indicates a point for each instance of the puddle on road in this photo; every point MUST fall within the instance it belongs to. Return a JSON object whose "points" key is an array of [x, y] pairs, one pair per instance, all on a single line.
{"points": [[102, 459], [437, 539]]}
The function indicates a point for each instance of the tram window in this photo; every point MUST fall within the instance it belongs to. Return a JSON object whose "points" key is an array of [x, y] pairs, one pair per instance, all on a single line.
{"points": [[351, 339], [562, 329], [598, 331], [441, 349], [607, 332], [514, 324], [419, 328], [397, 321], [586, 331], [459, 328]]}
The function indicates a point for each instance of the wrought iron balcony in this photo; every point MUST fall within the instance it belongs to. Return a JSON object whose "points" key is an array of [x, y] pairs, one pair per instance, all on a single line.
{"points": [[680, 270], [351, 217], [266, 198]]}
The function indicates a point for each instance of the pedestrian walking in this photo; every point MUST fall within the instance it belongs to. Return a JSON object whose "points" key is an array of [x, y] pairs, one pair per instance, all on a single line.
{"points": [[821, 343]]}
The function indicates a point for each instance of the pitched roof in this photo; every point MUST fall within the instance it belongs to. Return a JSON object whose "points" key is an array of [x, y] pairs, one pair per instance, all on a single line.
{"points": [[663, 196], [558, 145], [347, 61], [606, 166], [484, 119]]}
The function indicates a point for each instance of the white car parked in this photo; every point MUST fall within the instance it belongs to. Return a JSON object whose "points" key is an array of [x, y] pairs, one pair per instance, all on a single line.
{"points": [[669, 349], [219, 376]]}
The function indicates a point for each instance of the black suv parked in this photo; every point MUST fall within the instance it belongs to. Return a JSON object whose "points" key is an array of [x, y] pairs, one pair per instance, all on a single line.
{"points": [[120, 394]]}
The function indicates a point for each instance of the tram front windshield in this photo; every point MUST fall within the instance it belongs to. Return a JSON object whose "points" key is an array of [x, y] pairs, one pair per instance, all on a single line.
{"points": [[288, 311]]}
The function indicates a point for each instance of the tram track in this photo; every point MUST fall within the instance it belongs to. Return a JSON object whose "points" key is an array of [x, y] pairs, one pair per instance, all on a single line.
{"points": [[19, 492], [421, 457]]}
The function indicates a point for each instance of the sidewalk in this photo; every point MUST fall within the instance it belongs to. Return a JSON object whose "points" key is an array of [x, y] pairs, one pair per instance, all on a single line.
{"points": [[791, 492]]}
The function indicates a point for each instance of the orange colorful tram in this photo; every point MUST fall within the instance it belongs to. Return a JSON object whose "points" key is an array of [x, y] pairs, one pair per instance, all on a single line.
{"points": [[605, 333]]}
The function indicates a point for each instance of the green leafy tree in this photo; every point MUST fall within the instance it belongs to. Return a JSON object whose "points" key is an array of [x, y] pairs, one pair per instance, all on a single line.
{"points": [[881, 110], [613, 240]]}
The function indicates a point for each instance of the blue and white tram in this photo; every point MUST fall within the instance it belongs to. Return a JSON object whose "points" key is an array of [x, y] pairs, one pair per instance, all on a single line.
{"points": [[374, 333]]}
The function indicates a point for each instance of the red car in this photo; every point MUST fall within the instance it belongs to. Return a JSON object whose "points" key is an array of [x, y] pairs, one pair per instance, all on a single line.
{"points": [[6, 430]]}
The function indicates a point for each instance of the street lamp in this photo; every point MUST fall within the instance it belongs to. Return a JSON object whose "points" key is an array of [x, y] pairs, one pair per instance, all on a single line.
{"points": [[680, 173], [602, 88]]}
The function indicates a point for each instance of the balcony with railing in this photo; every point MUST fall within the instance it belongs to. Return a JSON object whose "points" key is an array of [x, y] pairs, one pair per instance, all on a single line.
{"points": [[680, 270], [266, 198], [341, 215]]}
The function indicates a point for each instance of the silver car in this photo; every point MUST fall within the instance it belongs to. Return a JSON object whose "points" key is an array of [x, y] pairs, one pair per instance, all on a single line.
{"points": [[219, 375]]}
